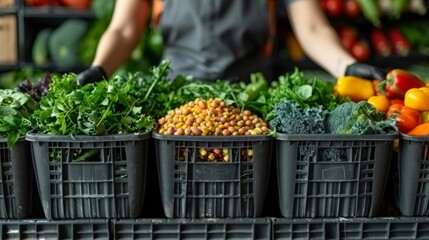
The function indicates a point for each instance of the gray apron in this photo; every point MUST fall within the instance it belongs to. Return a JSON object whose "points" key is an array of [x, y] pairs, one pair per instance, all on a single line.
{"points": [[214, 39]]}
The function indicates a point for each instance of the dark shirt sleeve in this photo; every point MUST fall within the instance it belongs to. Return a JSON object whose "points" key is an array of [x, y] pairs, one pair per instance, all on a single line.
{"points": [[286, 2]]}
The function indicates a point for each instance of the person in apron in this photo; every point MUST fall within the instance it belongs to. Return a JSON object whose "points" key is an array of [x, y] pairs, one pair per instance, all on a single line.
{"points": [[221, 39]]}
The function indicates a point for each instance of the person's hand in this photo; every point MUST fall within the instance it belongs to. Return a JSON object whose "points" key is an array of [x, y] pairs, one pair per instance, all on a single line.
{"points": [[91, 75], [365, 71]]}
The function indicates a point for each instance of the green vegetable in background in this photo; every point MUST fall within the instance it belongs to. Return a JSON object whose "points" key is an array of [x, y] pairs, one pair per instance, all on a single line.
{"points": [[64, 42], [359, 118], [15, 111], [257, 84], [40, 51], [370, 11], [398, 6]]}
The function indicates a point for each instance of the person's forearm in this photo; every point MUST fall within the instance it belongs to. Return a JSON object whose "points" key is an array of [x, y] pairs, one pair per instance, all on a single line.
{"points": [[112, 51], [326, 50], [317, 37], [123, 34]]}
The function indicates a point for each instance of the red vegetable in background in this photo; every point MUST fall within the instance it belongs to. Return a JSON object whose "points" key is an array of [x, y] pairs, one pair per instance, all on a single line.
{"points": [[348, 36], [401, 44], [398, 82], [380, 42], [333, 7], [360, 50], [351, 8]]}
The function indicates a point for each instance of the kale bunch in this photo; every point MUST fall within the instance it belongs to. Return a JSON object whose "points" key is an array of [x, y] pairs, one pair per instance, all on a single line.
{"points": [[290, 117]]}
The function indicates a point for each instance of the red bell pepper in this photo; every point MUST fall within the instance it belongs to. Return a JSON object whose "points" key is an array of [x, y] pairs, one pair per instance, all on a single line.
{"points": [[398, 82], [401, 45]]}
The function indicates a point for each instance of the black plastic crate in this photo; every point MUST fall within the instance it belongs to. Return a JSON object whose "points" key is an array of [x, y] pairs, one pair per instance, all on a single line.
{"points": [[109, 184], [239, 228], [325, 175], [57, 229], [193, 187], [413, 175], [351, 228], [18, 197]]}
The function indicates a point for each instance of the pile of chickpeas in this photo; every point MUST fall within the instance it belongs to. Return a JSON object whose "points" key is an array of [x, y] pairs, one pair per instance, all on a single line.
{"points": [[211, 117]]}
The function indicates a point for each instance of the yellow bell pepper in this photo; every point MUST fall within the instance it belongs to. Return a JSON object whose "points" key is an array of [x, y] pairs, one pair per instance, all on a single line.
{"points": [[417, 98], [357, 89]]}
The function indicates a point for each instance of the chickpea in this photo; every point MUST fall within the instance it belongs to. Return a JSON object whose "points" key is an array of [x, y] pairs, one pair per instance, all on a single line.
{"points": [[226, 132], [214, 103], [241, 131], [231, 129], [171, 130], [180, 131], [202, 104], [186, 111], [196, 131]]}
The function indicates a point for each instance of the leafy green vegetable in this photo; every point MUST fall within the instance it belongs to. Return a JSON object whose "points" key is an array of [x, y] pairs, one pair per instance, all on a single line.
{"points": [[305, 91], [15, 111], [291, 118], [359, 118], [107, 107]]}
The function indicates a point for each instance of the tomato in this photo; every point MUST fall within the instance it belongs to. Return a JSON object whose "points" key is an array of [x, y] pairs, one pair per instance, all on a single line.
{"points": [[407, 118], [348, 42], [348, 36], [381, 103], [351, 8], [360, 50], [348, 31], [334, 7]]}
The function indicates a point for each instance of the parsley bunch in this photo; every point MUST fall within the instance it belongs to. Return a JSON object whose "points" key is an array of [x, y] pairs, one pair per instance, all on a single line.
{"points": [[107, 107]]}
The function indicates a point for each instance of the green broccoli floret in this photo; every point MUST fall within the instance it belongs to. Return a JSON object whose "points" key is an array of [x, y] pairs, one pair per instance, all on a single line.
{"points": [[358, 118], [291, 118]]}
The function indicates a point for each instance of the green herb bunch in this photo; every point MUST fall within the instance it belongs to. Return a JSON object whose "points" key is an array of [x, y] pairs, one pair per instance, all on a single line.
{"points": [[15, 112], [304, 90], [106, 107]]}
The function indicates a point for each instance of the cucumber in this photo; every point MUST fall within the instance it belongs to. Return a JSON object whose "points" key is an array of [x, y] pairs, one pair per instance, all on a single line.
{"points": [[40, 51]]}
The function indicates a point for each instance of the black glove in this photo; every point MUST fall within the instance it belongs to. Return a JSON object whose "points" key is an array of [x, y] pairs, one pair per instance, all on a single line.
{"points": [[365, 71], [91, 75]]}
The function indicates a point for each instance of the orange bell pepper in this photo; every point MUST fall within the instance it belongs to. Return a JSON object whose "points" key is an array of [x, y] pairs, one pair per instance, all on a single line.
{"points": [[420, 130], [407, 118], [417, 98]]}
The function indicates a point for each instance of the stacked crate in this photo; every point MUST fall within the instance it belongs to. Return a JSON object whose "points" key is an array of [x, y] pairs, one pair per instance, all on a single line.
{"points": [[328, 182]]}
